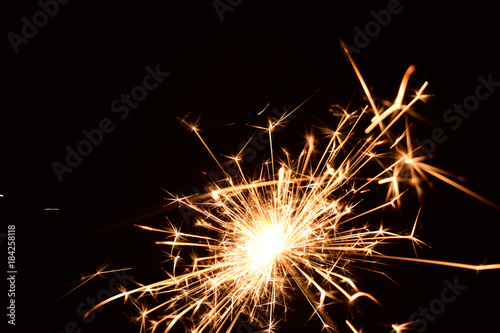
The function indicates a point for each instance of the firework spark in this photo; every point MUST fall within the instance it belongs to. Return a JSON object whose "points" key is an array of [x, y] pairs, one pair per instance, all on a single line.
{"points": [[296, 226]]}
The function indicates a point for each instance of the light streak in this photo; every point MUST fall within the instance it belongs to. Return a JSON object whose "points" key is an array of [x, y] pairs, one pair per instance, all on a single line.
{"points": [[300, 228]]}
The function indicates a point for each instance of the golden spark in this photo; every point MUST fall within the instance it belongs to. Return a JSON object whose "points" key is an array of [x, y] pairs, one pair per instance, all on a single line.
{"points": [[296, 226]]}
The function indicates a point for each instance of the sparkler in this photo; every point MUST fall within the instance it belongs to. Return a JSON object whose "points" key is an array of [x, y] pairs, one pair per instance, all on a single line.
{"points": [[296, 226]]}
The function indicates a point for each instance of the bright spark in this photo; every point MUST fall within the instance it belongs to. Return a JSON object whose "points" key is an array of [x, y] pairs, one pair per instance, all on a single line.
{"points": [[301, 228]]}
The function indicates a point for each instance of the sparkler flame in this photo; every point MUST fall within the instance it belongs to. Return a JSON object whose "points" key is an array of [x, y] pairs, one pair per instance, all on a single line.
{"points": [[298, 228]]}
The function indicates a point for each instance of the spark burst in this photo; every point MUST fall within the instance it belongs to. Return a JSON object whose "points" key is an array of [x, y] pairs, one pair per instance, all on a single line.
{"points": [[294, 227]]}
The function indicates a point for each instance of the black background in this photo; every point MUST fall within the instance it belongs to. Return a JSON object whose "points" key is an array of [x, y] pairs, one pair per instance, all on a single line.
{"points": [[65, 78]]}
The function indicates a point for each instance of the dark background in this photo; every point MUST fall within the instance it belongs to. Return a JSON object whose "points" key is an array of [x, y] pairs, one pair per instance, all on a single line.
{"points": [[65, 78]]}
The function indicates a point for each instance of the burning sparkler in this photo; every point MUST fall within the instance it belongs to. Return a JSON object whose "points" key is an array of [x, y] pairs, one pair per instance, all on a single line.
{"points": [[295, 226]]}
